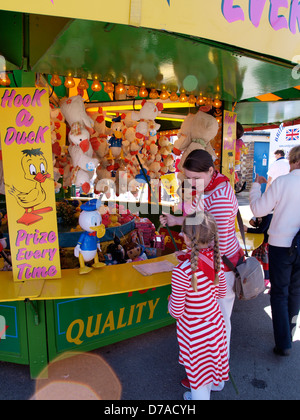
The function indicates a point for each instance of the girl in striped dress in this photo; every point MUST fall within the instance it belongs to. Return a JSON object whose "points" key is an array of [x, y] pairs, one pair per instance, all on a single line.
{"points": [[197, 283]]}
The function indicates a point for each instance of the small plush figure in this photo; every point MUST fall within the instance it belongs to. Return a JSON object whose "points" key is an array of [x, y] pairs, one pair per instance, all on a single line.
{"points": [[89, 242], [135, 252], [116, 251]]}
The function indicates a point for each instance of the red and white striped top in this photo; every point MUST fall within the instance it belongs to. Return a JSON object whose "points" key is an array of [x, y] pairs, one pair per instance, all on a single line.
{"points": [[201, 329], [202, 304], [223, 205]]}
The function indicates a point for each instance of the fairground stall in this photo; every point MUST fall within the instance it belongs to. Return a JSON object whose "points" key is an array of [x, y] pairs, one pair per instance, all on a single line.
{"points": [[96, 101]]}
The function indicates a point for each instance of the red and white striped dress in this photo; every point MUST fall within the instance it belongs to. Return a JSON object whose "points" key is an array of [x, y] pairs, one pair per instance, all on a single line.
{"points": [[201, 330]]}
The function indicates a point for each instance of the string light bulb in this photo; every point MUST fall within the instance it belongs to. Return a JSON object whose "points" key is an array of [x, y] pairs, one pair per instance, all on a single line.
{"points": [[120, 89], [164, 94], [69, 82], [83, 84], [153, 94], [217, 103], [132, 91], [200, 100], [183, 97], [96, 85], [109, 87], [173, 97], [192, 99], [55, 81], [5, 80], [143, 92]]}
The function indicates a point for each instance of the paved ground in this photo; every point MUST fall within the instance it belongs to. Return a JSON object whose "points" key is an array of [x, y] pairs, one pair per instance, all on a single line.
{"points": [[147, 367]]}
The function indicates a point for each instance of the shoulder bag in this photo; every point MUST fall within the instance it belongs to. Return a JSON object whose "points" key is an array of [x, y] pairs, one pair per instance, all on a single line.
{"points": [[249, 274]]}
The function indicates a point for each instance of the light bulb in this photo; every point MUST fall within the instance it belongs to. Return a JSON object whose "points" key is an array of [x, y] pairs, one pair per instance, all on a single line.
{"points": [[164, 95], [5, 81], [109, 87], [69, 82], [83, 84], [96, 86], [153, 94], [55, 80], [120, 89], [143, 92]]}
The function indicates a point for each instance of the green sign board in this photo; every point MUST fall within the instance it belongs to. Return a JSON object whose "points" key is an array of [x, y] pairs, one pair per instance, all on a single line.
{"points": [[84, 322]]}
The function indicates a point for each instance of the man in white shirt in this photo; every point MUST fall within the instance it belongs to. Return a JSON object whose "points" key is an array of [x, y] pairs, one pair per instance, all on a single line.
{"points": [[284, 253], [280, 167]]}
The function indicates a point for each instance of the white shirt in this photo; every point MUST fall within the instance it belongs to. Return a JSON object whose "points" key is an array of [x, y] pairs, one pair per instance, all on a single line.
{"points": [[278, 168], [284, 197]]}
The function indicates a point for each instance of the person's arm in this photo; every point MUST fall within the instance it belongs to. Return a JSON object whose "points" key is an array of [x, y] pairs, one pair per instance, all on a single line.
{"points": [[269, 182], [262, 205], [180, 284], [171, 220]]}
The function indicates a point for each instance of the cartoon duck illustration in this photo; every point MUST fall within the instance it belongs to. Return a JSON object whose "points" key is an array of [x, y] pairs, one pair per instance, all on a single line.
{"points": [[86, 249], [35, 167]]}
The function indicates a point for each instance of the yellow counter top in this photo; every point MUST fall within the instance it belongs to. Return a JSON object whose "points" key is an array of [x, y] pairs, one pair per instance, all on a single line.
{"points": [[110, 280]]}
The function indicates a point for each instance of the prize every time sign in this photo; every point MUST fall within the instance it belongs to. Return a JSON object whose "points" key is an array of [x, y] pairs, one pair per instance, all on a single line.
{"points": [[29, 184]]}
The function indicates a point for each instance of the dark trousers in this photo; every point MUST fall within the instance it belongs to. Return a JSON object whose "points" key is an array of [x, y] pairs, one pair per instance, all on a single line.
{"points": [[285, 293]]}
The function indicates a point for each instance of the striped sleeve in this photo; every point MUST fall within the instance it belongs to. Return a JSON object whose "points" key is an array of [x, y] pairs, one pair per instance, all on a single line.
{"points": [[180, 285], [222, 289], [223, 206]]}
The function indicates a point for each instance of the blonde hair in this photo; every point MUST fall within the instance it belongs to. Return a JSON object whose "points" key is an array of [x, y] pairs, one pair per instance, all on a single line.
{"points": [[201, 234], [294, 155]]}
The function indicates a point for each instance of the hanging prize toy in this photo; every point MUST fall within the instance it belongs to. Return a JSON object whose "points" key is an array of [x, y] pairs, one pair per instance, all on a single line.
{"points": [[89, 242]]}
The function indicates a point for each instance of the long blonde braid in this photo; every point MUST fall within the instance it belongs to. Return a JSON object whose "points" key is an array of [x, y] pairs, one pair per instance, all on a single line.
{"points": [[204, 233]]}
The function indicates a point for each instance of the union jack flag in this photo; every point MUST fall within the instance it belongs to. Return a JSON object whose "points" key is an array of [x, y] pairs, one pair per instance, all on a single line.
{"points": [[292, 134]]}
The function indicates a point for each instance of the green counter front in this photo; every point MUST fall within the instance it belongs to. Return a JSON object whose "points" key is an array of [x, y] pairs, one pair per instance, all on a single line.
{"points": [[36, 329]]}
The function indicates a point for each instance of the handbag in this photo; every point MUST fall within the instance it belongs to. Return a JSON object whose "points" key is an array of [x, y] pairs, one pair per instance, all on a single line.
{"points": [[249, 274]]}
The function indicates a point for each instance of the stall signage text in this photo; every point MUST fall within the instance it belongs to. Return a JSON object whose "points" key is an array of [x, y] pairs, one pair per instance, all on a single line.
{"points": [[29, 183], [234, 13]]}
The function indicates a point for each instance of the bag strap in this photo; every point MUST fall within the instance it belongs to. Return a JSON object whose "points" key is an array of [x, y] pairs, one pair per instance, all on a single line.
{"points": [[229, 264], [241, 227]]}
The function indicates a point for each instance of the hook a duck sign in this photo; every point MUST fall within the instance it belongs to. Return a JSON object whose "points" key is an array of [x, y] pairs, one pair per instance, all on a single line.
{"points": [[29, 183]]}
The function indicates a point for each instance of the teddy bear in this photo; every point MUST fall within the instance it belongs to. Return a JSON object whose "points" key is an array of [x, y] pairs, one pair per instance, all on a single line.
{"points": [[196, 132], [165, 146]]}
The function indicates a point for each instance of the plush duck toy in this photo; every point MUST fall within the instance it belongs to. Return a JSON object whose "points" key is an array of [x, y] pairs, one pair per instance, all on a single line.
{"points": [[89, 241], [35, 167]]}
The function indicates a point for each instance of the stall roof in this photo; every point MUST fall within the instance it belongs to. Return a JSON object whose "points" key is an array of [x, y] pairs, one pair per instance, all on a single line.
{"points": [[112, 50]]}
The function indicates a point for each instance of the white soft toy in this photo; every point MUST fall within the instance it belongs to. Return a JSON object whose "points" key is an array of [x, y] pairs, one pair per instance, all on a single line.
{"points": [[81, 153], [80, 148], [147, 114], [73, 110]]}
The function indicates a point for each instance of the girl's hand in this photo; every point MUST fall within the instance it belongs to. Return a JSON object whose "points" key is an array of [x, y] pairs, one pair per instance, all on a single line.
{"points": [[180, 254]]}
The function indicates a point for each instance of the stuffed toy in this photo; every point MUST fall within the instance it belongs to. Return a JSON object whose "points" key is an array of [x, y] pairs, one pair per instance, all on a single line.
{"points": [[81, 153], [165, 146], [73, 110], [104, 181], [135, 252], [80, 149], [117, 127], [196, 132], [146, 118]]}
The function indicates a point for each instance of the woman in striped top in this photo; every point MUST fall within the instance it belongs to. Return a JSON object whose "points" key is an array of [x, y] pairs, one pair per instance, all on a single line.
{"points": [[197, 283], [214, 194]]}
